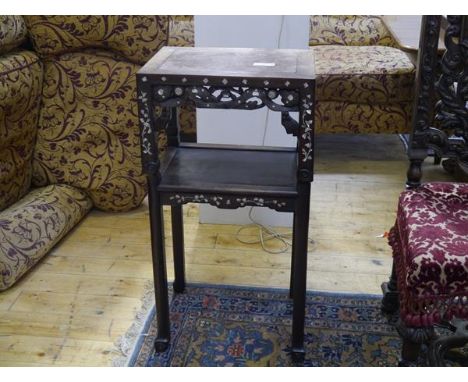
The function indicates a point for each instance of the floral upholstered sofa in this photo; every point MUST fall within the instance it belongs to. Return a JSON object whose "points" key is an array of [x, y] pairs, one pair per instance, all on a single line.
{"points": [[364, 83], [69, 137]]}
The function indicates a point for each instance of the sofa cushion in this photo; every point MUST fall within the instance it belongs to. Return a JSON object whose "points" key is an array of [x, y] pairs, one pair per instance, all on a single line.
{"points": [[357, 118], [430, 249], [88, 129], [363, 74], [433, 224], [349, 30], [20, 90], [12, 32], [137, 38], [32, 226]]}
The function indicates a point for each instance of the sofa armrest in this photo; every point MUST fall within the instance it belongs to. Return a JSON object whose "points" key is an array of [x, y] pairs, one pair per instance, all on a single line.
{"points": [[181, 31], [12, 32]]}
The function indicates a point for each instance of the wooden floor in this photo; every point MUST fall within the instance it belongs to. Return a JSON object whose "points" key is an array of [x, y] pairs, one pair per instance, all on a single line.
{"points": [[83, 296]]}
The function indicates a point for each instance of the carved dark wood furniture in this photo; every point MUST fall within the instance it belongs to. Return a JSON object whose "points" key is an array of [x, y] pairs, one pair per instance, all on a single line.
{"points": [[226, 176], [429, 281]]}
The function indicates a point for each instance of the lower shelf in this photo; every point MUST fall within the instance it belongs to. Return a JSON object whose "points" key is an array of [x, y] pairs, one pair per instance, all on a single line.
{"points": [[229, 171]]}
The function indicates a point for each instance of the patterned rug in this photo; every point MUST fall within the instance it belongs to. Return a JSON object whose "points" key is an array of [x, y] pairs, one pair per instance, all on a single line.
{"points": [[233, 326]]}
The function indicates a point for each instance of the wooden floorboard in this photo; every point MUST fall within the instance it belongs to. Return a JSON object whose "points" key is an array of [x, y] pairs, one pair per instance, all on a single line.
{"points": [[75, 304]]}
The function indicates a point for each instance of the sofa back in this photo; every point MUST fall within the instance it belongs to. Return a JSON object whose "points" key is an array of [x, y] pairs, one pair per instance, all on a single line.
{"points": [[88, 128], [20, 91], [136, 38], [349, 30]]}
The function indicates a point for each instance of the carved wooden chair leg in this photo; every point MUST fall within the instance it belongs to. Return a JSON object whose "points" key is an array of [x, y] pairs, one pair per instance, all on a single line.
{"points": [[439, 347], [414, 173], [413, 338], [390, 301]]}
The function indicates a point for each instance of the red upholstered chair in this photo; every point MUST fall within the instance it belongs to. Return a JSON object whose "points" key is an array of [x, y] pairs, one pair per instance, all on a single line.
{"points": [[429, 282]]}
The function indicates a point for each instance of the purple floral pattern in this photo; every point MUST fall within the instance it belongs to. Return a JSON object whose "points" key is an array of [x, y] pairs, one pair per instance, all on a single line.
{"points": [[349, 117], [20, 91], [181, 31], [88, 129], [430, 244], [12, 32], [363, 84], [363, 74], [349, 30], [88, 134], [32, 226], [137, 38]]}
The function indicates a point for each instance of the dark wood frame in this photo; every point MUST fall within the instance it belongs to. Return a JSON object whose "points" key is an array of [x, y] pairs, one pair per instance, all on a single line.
{"points": [[440, 123], [164, 91]]}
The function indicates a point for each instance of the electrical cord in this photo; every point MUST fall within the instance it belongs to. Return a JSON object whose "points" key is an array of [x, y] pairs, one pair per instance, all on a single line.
{"points": [[267, 233]]}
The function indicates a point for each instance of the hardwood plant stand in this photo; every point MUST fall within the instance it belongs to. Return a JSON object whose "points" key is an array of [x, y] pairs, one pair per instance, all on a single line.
{"points": [[222, 175]]}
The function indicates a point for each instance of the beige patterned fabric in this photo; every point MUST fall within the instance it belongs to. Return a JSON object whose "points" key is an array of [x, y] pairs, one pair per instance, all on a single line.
{"points": [[363, 84], [32, 226], [363, 74], [20, 90], [137, 38], [88, 129], [181, 33], [12, 32], [349, 30], [345, 117]]}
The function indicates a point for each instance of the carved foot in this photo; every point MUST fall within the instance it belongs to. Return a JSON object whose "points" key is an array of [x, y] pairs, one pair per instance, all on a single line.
{"points": [[298, 355], [390, 303], [403, 363], [413, 338], [439, 347], [450, 165], [161, 345], [178, 286]]}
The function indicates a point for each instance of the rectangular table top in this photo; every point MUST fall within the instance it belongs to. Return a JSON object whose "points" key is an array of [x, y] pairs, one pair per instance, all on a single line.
{"points": [[228, 66]]}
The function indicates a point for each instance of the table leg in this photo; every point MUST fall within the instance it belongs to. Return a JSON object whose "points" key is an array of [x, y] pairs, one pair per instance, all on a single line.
{"points": [[159, 266], [291, 277], [178, 247], [301, 222]]}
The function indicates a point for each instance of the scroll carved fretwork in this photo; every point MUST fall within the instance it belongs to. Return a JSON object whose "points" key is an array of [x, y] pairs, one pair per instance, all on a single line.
{"points": [[427, 66], [216, 97], [306, 136], [447, 135], [452, 87], [231, 202]]}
